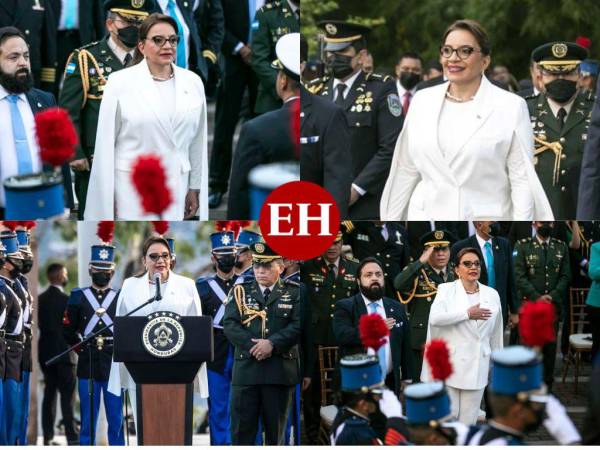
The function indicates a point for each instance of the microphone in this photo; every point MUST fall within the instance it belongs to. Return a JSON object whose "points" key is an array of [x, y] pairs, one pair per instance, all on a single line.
{"points": [[157, 281]]}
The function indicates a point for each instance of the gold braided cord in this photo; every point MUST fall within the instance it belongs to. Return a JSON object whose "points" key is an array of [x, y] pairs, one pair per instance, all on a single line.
{"points": [[585, 243], [82, 59], [413, 293], [239, 294], [557, 148]]}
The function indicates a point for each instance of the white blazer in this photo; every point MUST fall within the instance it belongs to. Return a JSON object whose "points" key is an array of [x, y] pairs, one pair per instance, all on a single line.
{"points": [[490, 176], [180, 296], [131, 123], [471, 342]]}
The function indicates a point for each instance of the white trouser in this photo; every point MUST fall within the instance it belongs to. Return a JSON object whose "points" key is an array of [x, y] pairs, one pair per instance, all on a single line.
{"points": [[465, 404]]}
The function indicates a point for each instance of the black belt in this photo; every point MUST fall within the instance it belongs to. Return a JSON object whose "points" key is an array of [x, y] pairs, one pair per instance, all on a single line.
{"points": [[14, 338]]}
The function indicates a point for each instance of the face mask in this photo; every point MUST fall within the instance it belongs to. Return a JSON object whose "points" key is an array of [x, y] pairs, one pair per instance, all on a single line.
{"points": [[340, 66], [129, 36], [373, 292], [101, 279], [409, 80], [544, 231], [27, 265], [494, 229], [17, 266], [226, 263], [14, 273], [561, 90]]}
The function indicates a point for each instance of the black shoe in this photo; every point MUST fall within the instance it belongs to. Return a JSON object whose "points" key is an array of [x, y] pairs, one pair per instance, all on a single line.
{"points": [[214, 199]]}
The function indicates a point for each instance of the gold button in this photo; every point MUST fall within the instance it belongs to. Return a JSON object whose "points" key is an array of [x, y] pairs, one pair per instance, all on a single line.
{"points": [[26, 31], [562, 172], [387, 256], [333, 286], [357, 124], [562, 140], [330, 315], [387, 264], [332, 295], [332, 306], [563, 188], [563, 156], [266, 330]]}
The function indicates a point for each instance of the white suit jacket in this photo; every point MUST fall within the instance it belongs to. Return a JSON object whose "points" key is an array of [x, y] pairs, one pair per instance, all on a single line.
{"points": [[131, 123], [471, 342], [180, 296], [491, 175]]}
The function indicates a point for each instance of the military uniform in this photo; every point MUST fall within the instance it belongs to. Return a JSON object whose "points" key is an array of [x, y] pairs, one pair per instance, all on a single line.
{"points": [[274, 19], [262, 388], [22, 291], [543, 270]]}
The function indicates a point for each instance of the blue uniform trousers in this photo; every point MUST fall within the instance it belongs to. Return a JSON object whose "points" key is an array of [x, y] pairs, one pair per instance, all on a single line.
{"points": [[219, 411], [24, 420], [113, 407], [11, 411]]}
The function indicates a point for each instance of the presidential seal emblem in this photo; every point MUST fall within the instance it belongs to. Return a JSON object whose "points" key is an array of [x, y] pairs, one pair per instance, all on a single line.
{"points": [[163, 336]]}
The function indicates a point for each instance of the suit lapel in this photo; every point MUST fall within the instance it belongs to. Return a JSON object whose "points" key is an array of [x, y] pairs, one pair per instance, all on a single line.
{"points": [[357, 88], [548, 117], [275, 294], [361, 309], [463, 302], [35, 102], [575, 116], [149, 91]]}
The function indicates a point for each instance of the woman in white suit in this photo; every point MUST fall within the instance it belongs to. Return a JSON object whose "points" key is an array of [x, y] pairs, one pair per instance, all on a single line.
{"points": [[179, 295], [466, 149], [468, 316], [153, 107]]}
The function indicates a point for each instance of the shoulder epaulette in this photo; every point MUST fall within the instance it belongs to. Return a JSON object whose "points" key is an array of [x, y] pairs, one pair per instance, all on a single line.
{"points": [[292, 282], [377, 77], [315, 86], [348, 225], [524, 240], [531, 96], [351, 259], [91, 44]]}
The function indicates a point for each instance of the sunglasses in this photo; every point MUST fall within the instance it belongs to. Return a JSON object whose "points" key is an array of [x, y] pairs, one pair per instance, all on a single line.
{"points": [[156, 256], [469, 264], [462, 52], [160, 41], [440, 248]]}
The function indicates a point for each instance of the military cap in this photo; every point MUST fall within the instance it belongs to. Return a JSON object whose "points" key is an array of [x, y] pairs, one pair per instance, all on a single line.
{"points": [[426, 402], [222, 241], [103, 257], [559, 56], [340, 34], [517, 371], [171, 242], [361, 373], [134, 9], [287, 50], [10, 244], [437, 238], [246, 238], [589, 67], [262, 253]]}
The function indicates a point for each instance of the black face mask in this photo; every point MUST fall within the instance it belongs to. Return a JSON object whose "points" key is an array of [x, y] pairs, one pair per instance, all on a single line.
{"points": [[129, 36], [544, 231], [27, 265], [494, 229], [340, 65], [101, 279], [17, 266], [16, 83], [409, 80], [226, 263], [561, 90], [373, 292]]}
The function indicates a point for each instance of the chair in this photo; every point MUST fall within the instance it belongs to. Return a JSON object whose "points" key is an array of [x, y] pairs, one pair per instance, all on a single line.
{"points": [[327, 360], [579, 342]]}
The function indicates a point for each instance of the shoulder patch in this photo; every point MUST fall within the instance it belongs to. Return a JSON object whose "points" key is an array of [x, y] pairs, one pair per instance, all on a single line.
{"points": [[291, 283], [70, 68], [394, 105]]}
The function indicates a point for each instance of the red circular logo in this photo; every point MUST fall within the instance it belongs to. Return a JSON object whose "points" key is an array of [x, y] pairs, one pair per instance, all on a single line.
{"points": [[299, 220]]}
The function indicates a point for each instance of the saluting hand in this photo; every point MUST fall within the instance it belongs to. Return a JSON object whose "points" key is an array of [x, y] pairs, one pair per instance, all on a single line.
{"points": [[426, 254]]}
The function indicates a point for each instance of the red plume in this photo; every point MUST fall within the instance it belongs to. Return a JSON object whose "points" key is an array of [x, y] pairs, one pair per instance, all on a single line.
{"points": [[161, 226], [536, 323], [373, 331], [231, 225], [11, 224], [438, 358], [106, 230], [584, 41], [56, 136], [27, 224], [149, 179], [295, 126]]}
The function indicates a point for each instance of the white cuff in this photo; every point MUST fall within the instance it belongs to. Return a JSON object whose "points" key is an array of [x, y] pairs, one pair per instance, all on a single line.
{"points": [[360, 190], [238, 47]]}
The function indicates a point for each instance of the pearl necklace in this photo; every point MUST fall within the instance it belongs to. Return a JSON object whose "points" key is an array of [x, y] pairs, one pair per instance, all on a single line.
{"points": [[472, 292], [163, 79], [457, 99]]}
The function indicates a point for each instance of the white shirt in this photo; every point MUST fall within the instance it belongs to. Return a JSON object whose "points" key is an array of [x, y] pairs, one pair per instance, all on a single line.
{"points": [[555, 107], [186, 30], [263, 288], [8, 153], [167, 94], [119, 52], [482, 243], [349, 82], [63, 14], [388, 350], [451, 124]]}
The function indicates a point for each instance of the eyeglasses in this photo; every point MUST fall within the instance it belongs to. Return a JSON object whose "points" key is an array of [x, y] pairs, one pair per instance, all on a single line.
{"points": [[156, 256], [462, 52], [469, 264], [160, 41]]}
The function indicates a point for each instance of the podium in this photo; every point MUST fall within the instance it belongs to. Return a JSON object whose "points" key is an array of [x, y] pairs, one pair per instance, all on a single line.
{"points": [[163, 353]]}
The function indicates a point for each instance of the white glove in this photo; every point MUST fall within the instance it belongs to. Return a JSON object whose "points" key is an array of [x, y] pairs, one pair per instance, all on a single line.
{"points": [[389, 404], [558, 423]]}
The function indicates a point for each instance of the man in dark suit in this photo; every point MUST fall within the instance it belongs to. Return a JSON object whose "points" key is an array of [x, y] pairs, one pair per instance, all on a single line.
{"points": [[78, 22], [267, 138], [61, 375], [35, 19], [396, 355], [497, 269], [588, 203], [19, 102], [237, 56]]}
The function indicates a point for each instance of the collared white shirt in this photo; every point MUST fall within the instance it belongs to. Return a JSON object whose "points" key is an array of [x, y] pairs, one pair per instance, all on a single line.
{"points": [[186, 30], [402, 91], [482, 243], [555, 106], [542, 241], [381, 312], [8, 152], [119, 51], [262, 288], [349, 82], [63, 15], [336, 263]]}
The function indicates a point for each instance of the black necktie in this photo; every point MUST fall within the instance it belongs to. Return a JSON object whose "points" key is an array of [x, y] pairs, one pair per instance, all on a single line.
{"points": [[266, 294], [562, 113], [339, 100], [128, 59], [441, 274], [545, 248]]}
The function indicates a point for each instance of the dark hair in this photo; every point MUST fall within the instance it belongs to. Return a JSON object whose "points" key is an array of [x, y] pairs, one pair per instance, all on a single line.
{"points": [[364, 262], [148, 243], [464, 251], [475, 29], [410, 55], [9, 32], [53, 271], [145, 28]]}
